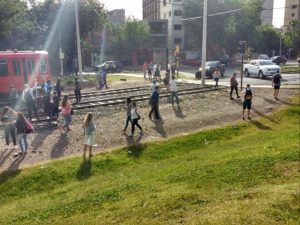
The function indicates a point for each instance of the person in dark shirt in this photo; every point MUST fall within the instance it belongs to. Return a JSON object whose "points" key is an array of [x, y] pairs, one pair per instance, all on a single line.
{"points": [[21, 134], [154, 99], [276, 83], [58, 88], [77, 90], [247, 101], [55, 104]]}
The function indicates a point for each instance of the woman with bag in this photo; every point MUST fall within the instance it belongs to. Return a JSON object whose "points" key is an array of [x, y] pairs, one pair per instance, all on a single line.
{"points": [[23, 128], [66, 111], [135, 117], [8, 121], [89, 128]]}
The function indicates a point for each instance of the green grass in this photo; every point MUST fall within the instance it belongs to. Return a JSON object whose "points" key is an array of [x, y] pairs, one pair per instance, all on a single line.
{"points": [[290, 69], [241, 174]]}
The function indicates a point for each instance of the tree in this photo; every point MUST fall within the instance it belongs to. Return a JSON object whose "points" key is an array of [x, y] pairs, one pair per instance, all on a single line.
{"points": [[126, 38], [224, 31], [12, 22], [292, 37], [268, 39]]}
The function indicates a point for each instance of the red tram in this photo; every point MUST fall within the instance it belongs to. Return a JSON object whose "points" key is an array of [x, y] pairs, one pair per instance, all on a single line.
{"points": [[23, 67]]}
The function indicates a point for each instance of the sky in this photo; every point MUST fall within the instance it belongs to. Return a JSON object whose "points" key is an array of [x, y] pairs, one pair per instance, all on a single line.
{"points": [[134, 8], [278, 14]]}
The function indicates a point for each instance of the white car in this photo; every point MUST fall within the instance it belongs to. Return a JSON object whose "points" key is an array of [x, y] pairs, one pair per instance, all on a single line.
{"points": [[261, 68], [265, 57]]}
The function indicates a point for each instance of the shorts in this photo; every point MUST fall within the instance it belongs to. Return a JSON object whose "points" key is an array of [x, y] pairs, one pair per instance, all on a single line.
{"points": [[247, 104], [89, 140], [276, 86]]}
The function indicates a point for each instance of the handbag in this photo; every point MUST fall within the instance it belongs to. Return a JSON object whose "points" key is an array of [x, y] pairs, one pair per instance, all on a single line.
{"points": [[28, 127]]}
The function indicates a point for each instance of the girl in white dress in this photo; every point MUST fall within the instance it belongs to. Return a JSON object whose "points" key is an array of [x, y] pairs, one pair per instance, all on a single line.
{"points": [[89, 128]]}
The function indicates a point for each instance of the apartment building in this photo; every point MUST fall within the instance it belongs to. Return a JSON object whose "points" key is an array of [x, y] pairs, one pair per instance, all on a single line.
{"points": [[172, 12], [116, 16], [267, 13], [292, 11]]}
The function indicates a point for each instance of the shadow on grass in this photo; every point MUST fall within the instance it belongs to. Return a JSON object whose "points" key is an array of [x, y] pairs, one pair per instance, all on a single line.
{"points": [[12, 171], [135, 151], [84, 171], [260, 125]]}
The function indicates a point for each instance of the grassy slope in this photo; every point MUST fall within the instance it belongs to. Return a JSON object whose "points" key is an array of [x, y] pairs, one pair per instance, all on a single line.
{"points": [[245, 174]]}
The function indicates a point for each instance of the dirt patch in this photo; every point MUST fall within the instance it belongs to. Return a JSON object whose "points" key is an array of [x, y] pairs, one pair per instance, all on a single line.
{"points": [[197, 112]]}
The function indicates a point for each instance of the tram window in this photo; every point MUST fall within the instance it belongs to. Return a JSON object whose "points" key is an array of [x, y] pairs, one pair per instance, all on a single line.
{"points": [[17, 67], [3, 67], [31, 65], [43, 66]]}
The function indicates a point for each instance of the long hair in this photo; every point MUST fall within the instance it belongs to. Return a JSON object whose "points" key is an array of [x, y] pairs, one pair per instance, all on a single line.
{"points": [[88, 118], [21, 116], [4, 111], [64, 101]]}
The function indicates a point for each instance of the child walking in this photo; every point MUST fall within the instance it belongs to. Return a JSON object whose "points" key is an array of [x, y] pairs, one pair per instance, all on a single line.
{"points": [[89, 128], [135, 119]]}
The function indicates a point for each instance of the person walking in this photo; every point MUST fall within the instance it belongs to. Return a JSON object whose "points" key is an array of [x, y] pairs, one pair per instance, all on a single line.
{"points": [[66, 110], [276, 83], [153, 86], [27, 98], [77, 90], [233, 86], [154, 99], [104, 77], [128, 119], [22, 132], [173, 90], [150, 69], [135, 117], [13, 96], [8, 122], [145, 69], [89, 128], [55, 111], [58, 88], [247, 101], [216, 76]]}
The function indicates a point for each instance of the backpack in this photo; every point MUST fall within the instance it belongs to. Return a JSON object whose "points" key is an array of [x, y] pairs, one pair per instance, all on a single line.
{"points": [[248, 94], [28, 127]]}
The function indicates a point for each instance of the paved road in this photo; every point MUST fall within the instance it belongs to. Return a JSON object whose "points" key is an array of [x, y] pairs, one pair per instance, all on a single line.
{"points": [[292, 80]]}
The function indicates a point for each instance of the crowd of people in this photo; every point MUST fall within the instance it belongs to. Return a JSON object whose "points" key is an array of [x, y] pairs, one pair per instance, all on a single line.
{"points": [[48, 96]]}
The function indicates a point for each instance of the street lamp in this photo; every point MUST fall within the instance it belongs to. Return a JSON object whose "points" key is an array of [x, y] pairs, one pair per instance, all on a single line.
{"points": [[242, 49], [78, 41]]}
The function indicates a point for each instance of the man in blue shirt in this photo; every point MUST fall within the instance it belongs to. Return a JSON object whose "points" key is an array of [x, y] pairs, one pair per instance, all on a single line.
{"points": [[154, 99]]}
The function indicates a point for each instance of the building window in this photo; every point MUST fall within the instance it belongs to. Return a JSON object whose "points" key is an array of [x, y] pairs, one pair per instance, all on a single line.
{"points": [[165, 15], [177, 13], [293, 14], [170, 13], [177, 0], [3, 67], [164, 2], [177, 26], [43, 66], [177, 40], [17, 67], [30, 65], [294, 6]]}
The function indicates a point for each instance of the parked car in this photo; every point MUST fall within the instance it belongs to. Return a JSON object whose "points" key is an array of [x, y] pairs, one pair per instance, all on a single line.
{"points": [[261, 68], [279, 59], [111, 66], [211, 66], [192, 62], [264, 57]]}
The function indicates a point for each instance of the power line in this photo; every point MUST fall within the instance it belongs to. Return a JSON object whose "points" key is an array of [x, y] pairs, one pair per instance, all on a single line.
{"points": [[214, 14]]}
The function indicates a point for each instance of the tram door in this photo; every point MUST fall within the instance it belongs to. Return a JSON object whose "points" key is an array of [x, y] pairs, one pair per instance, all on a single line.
{"points": [[17, 73], [24, 71]]}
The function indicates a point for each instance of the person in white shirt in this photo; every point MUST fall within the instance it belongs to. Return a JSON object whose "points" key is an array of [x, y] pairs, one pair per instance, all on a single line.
{"points": [[135, 117], [173, 90], [216, 77]]}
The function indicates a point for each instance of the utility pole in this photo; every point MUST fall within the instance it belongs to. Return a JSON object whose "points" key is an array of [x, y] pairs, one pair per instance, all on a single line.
{"points": [[78, 41], [242, 48], [167, 59], [204, 37], [61, 54]]}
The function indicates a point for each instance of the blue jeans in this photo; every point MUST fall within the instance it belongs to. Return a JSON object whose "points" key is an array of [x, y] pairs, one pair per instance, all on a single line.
{"points": [[174, 95], [67, 120], [22, 139]]}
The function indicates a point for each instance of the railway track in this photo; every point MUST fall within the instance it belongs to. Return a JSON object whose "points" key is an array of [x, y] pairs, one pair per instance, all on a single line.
{"points": [[137, 97]]}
